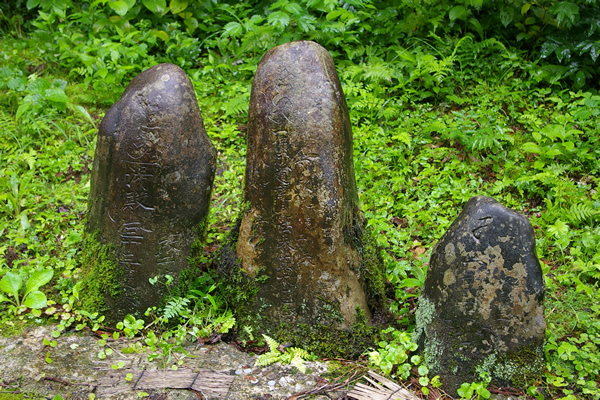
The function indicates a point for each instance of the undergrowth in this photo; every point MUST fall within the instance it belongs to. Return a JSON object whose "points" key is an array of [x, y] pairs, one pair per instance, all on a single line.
{"points": [[442, 108]]}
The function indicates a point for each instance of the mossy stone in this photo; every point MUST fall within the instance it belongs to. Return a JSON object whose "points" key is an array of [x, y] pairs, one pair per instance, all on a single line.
{"points": [[302, 238], [482, 304], [151, 183]]}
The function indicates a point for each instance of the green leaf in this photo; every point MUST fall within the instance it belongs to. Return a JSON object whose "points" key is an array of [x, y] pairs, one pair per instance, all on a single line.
{"points": [[119, 6], [272, 343], [11, 283], [405, 54], [579, 79], [161, 34], [566, 13], [56, 95], [531, 147], [156, 6], [84, 113], [294, 9], [477, 26], [38, 86], [458, 12], [25, 222], [279, 19], [36, 299], [231, 29], [38, 279], [177, 6], [32, 4], [334, 14], [553, 152], [307, 22], [411, 282], [3, 298]]}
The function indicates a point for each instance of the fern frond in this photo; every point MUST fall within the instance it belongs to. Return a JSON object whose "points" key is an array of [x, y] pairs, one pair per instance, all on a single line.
{"points": [[298, 362], [403, 137], [558, 169], [580, 212], [272, 343], [268, 358], [443, 67], [7, 122], [355, 51], [487, 44], [377, 70], [298, 353], [237, 105], [175, 307]]}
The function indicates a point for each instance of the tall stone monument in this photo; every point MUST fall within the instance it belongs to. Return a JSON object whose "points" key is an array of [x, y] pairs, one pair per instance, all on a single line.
{"points": [[482, 305], [150, 191], [302, 234]]}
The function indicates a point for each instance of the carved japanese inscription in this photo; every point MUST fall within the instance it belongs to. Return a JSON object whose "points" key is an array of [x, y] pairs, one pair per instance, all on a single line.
{"points": [[301, 192], [151, 184], [482, 304]]}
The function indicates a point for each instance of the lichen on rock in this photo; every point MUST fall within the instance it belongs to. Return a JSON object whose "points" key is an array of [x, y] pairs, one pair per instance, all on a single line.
{"points": [[481, 308]]}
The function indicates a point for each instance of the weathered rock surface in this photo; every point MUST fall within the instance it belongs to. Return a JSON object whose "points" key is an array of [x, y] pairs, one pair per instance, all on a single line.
{"points": [[75, 370], [151, 184], [302, 228], [481, 307]]}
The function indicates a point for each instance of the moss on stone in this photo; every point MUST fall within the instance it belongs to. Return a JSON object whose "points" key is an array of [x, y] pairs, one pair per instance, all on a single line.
{"points": [[101, 275], [327, 341], [321, 336], [520, 370], [371, 267], [14, 327], [517, 370]]}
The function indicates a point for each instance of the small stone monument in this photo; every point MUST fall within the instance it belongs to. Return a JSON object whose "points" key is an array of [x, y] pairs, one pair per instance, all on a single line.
{"points": [[302, 235], [150, 191], [482, 305]]}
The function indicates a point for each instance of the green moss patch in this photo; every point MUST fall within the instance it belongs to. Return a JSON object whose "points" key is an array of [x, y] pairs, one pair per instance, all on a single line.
{"points": [[320, 336], [101, 275]]}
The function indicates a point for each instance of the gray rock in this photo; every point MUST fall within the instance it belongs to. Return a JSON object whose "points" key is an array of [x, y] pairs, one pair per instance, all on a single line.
{"points": [[76, 371], [151, 184], [298, 231], [482, 304]]}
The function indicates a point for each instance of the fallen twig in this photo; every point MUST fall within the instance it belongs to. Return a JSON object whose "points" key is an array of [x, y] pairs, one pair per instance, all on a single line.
{"points": [[58, 380]]}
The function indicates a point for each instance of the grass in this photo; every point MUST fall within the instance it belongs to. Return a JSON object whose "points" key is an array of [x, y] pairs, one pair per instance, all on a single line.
{"points": [[420, 153]]}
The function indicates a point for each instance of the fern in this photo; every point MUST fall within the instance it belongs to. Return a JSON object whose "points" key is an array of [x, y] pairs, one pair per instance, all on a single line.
{"points": [[297, 357], [378, 70], [292, 355], [272, 343], [175, 307], [237, 105], [479, 47], [267, 359], [580, 212]]}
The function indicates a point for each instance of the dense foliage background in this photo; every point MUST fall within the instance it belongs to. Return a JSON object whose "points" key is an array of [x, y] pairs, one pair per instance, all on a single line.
{"points": [[448, 99]]}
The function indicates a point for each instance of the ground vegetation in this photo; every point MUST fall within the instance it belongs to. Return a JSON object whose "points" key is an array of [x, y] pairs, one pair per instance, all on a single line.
{"points": [[447, 100]]}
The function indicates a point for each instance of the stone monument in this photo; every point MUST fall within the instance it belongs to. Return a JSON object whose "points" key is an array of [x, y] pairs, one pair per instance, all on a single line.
{"points": [[302, 236], [150, 191], [481, 308]]}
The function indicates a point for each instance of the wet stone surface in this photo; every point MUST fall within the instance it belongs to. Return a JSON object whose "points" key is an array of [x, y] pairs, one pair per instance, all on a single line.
{"points": [[76, 370], [481, 307], [151, 184], [301, 191]]}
